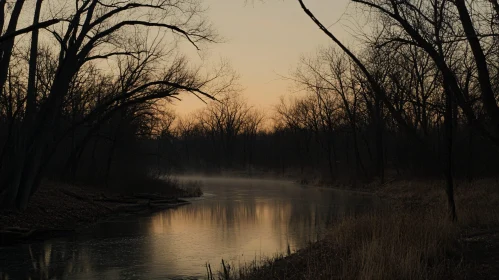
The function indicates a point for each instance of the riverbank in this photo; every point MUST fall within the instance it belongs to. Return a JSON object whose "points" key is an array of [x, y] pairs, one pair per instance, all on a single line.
{"points": [[410, 238], [58, 209]]}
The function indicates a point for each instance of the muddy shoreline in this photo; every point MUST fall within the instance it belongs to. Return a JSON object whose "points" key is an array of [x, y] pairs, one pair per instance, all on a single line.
{"points": [[59, 210]]}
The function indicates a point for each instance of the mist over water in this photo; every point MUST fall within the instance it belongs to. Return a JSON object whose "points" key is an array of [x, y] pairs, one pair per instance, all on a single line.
{"points": [[237, 219]]}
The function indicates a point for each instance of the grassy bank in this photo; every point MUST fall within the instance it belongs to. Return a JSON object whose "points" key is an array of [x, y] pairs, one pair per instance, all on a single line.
{"points": [[61, 208], [410, 238]]}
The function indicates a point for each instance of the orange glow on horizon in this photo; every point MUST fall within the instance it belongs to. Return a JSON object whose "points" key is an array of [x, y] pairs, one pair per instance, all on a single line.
{"points": [[263, 43]]}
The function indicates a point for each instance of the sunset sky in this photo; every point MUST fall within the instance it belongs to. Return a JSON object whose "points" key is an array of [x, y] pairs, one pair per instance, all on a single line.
{"points": [[265, 39]]}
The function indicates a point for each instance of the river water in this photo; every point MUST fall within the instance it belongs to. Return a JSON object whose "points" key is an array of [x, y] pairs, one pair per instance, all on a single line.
{"points": [[239, 220]]}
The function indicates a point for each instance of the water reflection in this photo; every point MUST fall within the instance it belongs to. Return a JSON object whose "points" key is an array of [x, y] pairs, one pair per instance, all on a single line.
{"points": [[239, 220]]}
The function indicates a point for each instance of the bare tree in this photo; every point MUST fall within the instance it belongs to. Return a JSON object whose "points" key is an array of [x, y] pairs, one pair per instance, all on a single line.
{"points": [[439, 29], [93, 31]]}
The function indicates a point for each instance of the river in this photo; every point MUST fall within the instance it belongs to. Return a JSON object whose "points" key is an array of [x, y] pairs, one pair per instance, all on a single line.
{"points": [[239, 220]]}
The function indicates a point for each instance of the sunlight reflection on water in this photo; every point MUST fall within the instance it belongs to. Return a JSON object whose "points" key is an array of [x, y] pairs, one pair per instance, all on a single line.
{"points": [[239, 220]]}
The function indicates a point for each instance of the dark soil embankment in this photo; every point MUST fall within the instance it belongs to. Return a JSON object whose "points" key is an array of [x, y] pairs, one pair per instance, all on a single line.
{"points": [[60, 209]]}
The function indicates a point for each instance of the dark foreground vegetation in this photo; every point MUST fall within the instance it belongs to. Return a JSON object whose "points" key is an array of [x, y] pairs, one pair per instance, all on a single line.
{"points": [[410, 238], [417, 98], [82, 83]]}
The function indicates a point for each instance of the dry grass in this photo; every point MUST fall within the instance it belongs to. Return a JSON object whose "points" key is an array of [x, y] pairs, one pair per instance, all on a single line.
{"points": [[477, 202], [410, 238], [400, 245]]}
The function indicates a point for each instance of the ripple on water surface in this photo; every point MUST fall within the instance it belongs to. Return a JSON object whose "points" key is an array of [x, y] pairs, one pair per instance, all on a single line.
{"points": [[239, 220]]}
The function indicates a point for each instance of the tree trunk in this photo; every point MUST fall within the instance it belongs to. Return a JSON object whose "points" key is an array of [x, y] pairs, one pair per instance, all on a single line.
{"points": [[33, 58], [380, 166], [330, 163], [487, 92], [25, 167], [29, 178], [470, 154], [71, 166], [2, 13], [448, 122], [358, 159], [7, 46]]}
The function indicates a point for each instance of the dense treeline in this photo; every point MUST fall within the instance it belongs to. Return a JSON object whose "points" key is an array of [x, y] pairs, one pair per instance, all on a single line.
{"points": [[458, 41], [331, 131], [81, 81], [419, 94], [416, 97]]}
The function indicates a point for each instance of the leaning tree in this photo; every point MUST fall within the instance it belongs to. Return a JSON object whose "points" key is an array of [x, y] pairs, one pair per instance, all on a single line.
{"points": [[466, 28], [134, 44]]}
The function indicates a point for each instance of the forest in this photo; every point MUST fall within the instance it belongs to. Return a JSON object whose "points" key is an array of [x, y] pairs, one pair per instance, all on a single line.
{"points": [[418, 99], [87, 90], [86, 72]]}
